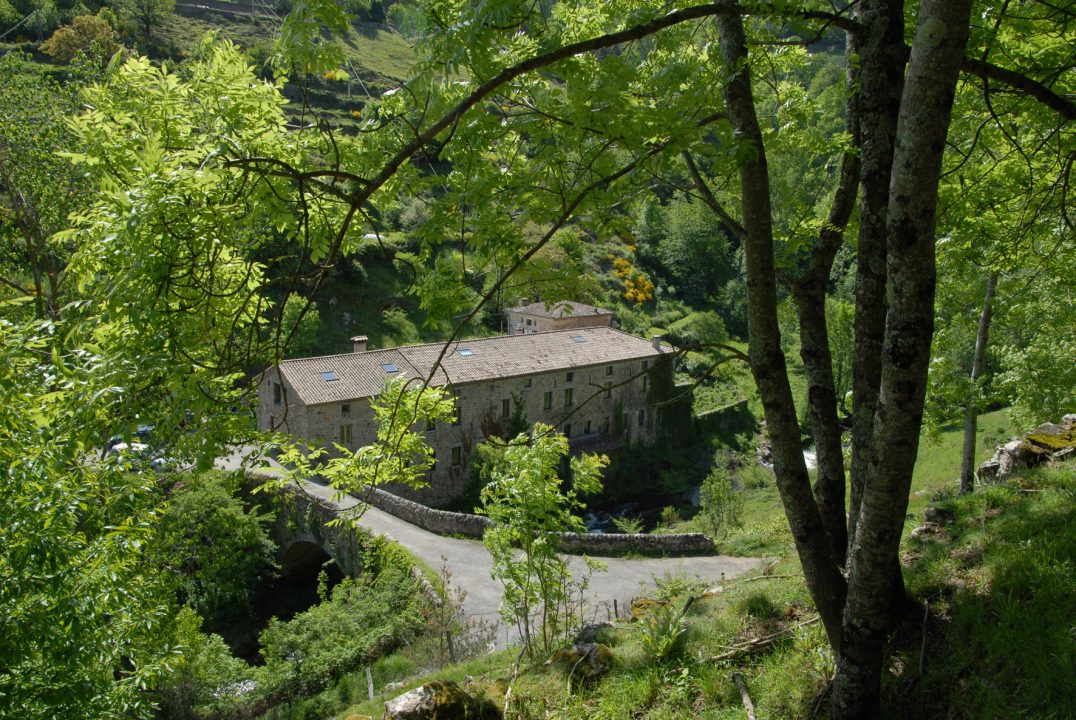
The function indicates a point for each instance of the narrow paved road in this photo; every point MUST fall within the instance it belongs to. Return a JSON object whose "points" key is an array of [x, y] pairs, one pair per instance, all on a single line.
{"points": [[470, 564]]}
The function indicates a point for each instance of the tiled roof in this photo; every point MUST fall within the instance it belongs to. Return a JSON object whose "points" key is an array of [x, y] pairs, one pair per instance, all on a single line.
{"points": [[363, 374], [563, 308]]}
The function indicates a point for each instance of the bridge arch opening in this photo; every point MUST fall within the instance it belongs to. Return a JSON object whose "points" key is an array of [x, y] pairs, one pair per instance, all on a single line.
{"points": [[296, 588]]}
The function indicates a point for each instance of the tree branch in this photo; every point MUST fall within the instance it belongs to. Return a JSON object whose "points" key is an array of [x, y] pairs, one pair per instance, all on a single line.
{"points": [[636, 32], [708, 197], [1022, 84]]}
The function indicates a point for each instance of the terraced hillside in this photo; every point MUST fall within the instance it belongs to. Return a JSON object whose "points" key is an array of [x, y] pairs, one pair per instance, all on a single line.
{"points": [[379, 58]]}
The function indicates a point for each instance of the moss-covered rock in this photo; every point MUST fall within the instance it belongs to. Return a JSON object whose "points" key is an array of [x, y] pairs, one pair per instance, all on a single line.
{"points": [[641, 607], [1051, 438], [440, 700], [583, 661]]}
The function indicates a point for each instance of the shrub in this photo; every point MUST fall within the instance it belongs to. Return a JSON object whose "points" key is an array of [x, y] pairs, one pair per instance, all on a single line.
{"points": [[662, 630], [528, 507], [85, 32], [754, 476], [217, 551], [629, 525], [362, 618], [669, 516], [720, 506]]}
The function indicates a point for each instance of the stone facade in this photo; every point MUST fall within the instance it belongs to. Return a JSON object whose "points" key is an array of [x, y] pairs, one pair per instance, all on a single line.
{"points": [[565, 315], [596, 405]]}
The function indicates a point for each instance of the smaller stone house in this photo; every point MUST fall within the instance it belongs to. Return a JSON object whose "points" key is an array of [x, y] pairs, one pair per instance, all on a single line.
{"points": [[538, 317], [598, 386]]}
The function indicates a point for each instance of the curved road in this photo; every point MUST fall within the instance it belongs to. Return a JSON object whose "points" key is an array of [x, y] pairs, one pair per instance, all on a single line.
{"points": [[470, 563]]}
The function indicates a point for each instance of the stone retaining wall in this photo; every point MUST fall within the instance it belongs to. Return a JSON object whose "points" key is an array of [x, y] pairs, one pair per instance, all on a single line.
{"points": [[444, 522]]}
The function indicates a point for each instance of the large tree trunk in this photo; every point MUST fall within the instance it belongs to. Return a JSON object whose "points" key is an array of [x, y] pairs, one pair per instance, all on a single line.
{"points": [[922, 127], [767, 361], [971, 411], [881, 81], [809, 291]]}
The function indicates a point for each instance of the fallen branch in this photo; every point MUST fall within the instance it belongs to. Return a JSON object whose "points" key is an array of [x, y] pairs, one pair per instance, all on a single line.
{"points": [[515, 674], [744, 696], [759, 644], [764, 577]]}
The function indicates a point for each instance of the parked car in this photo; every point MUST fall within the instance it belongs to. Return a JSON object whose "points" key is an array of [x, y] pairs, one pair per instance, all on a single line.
{"points": [[137, 456]]}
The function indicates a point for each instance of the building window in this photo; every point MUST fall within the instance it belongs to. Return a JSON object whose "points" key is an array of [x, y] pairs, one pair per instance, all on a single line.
{"points": [[568, 430], [345, 409], [527, 382], [431, 424], [605, 425], [608, 369], [504, 408], [433, 460], [567, 397], [278, 393], [642, 418], [646, 364], [457, 417], [457, 455], [645, 383], [608, 390], [569, 377], [345, 435], [547, 400], [586, 428], [529, 322]]}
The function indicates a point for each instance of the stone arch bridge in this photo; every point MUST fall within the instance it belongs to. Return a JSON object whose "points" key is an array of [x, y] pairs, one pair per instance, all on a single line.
{"points": [[307, 539]]}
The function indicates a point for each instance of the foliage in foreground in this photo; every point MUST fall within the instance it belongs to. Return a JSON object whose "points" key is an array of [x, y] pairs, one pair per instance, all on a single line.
{"points": [[528, 507], [217, 552]]}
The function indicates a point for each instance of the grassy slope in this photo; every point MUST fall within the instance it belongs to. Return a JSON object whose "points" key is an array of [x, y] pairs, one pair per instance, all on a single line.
{"points": [[937, 469]]}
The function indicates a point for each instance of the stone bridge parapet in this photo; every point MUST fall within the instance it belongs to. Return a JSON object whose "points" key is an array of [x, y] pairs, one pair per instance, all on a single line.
{"points": [[444, 522]]}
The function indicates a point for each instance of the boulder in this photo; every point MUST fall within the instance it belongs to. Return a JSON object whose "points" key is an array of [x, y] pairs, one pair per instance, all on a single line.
{"points": [[594, 633], [439, 700], [927, 532], [938, 515], [584, 660], [989, 471], [641, 607]]}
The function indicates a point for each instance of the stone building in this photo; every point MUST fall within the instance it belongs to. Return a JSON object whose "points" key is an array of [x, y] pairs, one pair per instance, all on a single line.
{"points": [[537, 317], [597, 385]]}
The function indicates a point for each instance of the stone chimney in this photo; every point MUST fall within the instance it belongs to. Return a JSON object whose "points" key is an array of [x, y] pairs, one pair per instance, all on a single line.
{"points": [[358, 343], [655, 340]]}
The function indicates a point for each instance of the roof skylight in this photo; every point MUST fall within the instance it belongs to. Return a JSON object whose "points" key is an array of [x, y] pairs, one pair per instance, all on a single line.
{"points": [[329, 375], [578, 338], [465, 352], [389, 367]]}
